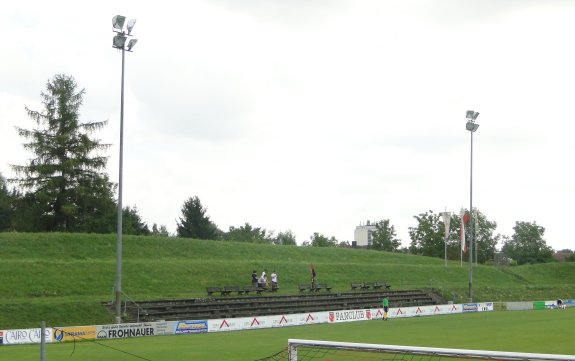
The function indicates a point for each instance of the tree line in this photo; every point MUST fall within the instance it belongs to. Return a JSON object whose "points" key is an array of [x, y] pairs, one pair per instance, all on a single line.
{"points": [[64, 188]]}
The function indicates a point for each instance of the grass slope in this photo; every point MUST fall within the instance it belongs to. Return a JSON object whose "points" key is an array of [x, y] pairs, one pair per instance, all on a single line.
{"points": [[62, 278]]}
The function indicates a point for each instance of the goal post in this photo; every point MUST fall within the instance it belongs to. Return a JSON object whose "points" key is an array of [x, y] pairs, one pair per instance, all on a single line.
{"points": [[302, 350]]}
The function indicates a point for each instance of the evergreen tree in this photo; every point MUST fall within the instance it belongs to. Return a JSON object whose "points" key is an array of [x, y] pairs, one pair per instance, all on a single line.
{"points": [[6, 210], [65, 179], [132, 222], [194, 222], [162, 231]]}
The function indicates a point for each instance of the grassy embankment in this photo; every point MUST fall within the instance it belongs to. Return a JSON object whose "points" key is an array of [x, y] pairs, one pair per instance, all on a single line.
{"points": [[62, 278]]}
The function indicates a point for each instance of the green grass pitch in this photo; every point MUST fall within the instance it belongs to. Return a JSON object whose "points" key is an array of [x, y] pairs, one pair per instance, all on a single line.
{"points": [[545, 331]]}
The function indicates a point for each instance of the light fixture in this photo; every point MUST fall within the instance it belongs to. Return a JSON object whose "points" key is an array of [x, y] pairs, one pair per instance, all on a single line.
{"points": [[130, 25], [118, 22], [471, 115], [119, 41], [131, 44], [471, 126]]}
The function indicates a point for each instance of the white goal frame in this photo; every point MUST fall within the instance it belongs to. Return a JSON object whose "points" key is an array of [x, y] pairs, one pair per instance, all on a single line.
{"points": [[293, 345]]}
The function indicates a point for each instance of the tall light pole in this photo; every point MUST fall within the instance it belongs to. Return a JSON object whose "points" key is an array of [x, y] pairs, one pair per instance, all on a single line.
{"points": [[119, 42], [472, 127]]}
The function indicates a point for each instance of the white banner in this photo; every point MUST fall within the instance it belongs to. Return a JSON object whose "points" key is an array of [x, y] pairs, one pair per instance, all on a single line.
{"points": [[245, 323], [485, 307], [29, 335], [124, 330], [400, 312], [349, 315]]}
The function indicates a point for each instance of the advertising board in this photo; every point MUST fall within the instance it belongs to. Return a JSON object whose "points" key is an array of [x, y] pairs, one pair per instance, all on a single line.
{"points": [[470, 307], [64, 334], [416, 311], [349, 315], [247, 323], [114, 331], [29, 335], [186, 327], [485, 307], [125, 330]]}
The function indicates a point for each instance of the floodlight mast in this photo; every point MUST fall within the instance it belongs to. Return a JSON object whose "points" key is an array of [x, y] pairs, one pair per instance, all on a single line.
{"points": [[119, 42], [471, 127]]}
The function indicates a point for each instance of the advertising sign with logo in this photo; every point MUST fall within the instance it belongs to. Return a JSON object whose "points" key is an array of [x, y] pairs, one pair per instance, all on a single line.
{"points": [[30, 335], [186, 327], [64, 334], [224, 324], [1, 337], [349, 315], [130, 330], [484, 307], [416, 311], [470, 307]]}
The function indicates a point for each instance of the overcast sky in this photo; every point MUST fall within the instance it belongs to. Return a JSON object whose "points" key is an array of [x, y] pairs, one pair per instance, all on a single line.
{"points": [[315, 116]]}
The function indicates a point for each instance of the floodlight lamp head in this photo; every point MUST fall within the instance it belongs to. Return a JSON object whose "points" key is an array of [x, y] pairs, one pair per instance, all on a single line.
{"points": [[119, 41], [472, 127], [131, 44], [118, 22], [130, 25], [471, 115]]}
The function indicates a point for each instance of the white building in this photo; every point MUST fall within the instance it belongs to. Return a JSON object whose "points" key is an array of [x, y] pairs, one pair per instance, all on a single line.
{"points": [[362, 236]]}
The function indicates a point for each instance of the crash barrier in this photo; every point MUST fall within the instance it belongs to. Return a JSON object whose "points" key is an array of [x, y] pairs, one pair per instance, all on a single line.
{"points": [[115, 331]]}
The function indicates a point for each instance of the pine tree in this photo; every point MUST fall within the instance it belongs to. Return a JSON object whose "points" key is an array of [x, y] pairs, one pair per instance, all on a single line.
{"points": [[5, 206], [195, 223], [65, 177]]}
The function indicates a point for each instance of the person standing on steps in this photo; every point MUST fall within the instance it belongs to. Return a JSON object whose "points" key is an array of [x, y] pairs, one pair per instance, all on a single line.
{"points": [[385, 307], [274, 277], [254, 279], [263, 281]]}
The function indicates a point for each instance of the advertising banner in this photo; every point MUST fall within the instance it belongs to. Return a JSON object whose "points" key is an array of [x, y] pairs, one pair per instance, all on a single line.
{"points": [[485, 307], [349, 315], [470, 307], [243, 323], [30, 335], [114, 331], [64, 334], [246, 323], [417, 311], [299, 319], [186, 327], [133, 330]]}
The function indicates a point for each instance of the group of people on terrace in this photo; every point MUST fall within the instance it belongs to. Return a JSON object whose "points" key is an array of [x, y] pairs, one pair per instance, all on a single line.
{"points": [[262, 281]]}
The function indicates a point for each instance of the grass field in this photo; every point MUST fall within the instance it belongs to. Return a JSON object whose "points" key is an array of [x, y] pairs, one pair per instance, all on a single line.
{"points": [[546, 331]]}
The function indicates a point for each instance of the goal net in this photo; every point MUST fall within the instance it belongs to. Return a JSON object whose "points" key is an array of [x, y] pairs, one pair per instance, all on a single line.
{"points": [[304, 350]]}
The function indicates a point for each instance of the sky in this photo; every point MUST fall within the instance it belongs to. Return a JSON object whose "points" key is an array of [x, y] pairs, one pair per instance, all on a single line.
{"points": [[314, 116]]}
